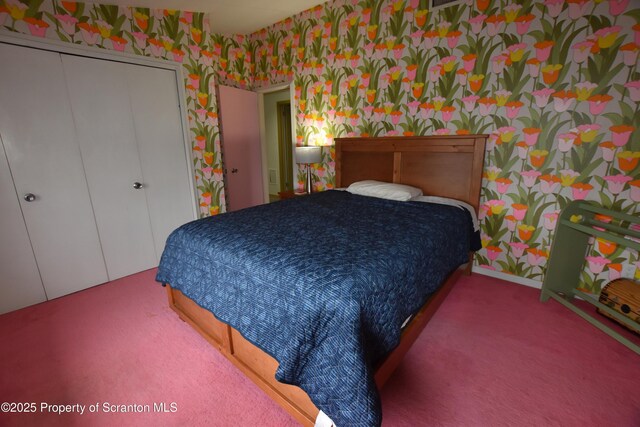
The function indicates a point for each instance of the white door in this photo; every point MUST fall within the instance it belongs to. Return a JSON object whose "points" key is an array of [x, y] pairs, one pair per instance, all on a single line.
{"points": [[38, 135], [20, 283], [99, 95], [156, 116], [242, 149]]}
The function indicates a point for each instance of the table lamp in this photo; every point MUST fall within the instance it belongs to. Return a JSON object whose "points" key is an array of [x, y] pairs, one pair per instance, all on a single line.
{"points": [[305, 156]]}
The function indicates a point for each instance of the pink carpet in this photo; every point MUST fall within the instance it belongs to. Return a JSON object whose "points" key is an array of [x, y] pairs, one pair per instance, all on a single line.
{"points": [[492, 356]]}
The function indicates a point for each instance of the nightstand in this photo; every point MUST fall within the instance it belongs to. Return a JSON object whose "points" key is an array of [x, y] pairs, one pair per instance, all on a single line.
{"points": [[289, 194]]}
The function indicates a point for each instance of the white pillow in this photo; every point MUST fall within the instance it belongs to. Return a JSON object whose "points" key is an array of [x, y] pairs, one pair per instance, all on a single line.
{"points": [[384, 190]]}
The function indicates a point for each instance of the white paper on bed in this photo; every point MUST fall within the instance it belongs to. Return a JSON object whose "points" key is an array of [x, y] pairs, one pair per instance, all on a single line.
{"points": [[323, 420], [451, 202]]}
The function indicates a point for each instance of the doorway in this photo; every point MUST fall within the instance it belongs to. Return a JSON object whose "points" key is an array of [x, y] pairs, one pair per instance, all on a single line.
{"points": [[278, 142], [285, 146]]}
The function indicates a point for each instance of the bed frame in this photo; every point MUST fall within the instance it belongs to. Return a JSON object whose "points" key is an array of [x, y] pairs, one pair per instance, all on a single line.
{"points": [[446, 166]]}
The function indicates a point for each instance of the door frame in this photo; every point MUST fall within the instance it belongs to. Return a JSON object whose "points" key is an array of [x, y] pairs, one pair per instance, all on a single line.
{"points": [[130, 58], [263, 133]]}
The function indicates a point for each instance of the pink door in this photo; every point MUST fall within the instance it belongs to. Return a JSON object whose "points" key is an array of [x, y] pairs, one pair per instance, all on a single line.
{"points": [[241, 145]]}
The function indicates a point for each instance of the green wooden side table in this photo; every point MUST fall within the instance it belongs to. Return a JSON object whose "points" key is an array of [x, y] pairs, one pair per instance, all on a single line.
{"points": [[576, 224]]}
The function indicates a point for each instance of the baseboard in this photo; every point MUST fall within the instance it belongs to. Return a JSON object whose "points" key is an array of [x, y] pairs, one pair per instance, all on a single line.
{"points": [[508, 277]]}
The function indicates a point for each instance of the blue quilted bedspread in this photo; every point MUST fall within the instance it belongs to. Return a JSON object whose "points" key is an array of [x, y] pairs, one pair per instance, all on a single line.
{"points": [[323, 283]]}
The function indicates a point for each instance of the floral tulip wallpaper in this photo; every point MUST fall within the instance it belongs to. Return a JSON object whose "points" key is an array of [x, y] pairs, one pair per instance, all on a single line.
{"points": [[555, 84]]}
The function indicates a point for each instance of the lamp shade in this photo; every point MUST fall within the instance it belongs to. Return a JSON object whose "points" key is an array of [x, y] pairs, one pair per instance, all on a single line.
{"points": [[306, 155]]}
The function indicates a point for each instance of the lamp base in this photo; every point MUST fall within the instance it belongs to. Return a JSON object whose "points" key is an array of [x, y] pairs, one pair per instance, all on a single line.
{"points": [[309, 186]]}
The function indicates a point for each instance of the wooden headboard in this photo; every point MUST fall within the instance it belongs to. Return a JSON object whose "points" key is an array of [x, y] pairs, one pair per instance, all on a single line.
{"points": [[445, 166]]}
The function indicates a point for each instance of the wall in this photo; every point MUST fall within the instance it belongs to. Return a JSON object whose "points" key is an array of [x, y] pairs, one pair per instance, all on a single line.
{"points": [[158, 33], [556, 84], [271, 129]]}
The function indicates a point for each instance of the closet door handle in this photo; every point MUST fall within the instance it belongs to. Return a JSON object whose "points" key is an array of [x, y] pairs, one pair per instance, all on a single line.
{"points": [[29, 197], [137, 185]]}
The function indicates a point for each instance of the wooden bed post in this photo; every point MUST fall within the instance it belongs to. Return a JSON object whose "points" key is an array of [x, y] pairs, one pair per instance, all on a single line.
{"points": [[467, 270]]}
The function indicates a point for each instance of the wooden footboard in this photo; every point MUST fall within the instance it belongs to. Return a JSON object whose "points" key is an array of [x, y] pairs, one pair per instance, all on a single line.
{"points": [[261, 368]]}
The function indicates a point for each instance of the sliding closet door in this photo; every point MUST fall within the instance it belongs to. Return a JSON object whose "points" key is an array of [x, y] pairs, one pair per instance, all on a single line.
{"points": [[156, 116], [20, 283], [102, 111], [37, 130]]}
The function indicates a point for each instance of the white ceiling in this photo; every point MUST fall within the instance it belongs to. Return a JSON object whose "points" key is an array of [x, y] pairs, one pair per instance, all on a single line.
{"points": [[231, 16]]}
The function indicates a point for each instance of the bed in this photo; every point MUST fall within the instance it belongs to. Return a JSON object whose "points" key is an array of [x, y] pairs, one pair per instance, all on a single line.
{"points": [[302, 302]]}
